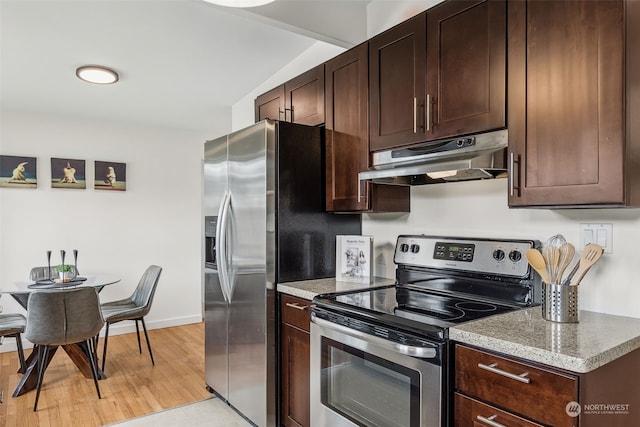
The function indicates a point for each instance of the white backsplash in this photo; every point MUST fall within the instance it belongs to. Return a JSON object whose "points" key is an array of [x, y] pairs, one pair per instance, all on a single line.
{"points": [[479, 209]]}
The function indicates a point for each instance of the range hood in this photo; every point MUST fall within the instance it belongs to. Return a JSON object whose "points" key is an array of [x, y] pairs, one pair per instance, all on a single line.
{"points": [[480, 156]]}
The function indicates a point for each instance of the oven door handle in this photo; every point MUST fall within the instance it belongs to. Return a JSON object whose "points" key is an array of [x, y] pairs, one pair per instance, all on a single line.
{"points": [[407, 350]]}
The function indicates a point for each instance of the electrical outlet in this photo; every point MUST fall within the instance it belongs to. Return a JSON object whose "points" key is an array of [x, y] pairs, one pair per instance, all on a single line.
{"points": [[599, 233]]}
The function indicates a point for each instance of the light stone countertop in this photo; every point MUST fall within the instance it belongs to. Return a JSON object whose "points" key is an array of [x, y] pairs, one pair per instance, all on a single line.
{"points": [[578, 347], [308, 289]]}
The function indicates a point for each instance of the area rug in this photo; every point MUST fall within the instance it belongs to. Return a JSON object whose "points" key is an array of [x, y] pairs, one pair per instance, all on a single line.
{"points": [[209, 412]]}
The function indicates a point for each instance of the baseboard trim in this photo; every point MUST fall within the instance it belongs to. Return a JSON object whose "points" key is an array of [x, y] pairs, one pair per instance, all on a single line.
{"points": [[124, 327]]}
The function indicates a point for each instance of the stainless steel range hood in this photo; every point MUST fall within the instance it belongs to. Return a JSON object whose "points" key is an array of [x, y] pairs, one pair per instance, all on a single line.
{"points": [[480, 156]]}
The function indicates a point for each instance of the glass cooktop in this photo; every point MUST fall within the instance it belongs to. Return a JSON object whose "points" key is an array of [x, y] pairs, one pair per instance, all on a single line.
{"points": [[426, 307]]}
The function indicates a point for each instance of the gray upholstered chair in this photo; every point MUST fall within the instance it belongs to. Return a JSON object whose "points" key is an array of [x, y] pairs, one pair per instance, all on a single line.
{"points": [[41, 273], [12, 325], [60, 317], [133, 308]]}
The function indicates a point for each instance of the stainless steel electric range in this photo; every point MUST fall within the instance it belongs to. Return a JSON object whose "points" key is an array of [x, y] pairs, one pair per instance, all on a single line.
{"points": [[381, 357]]}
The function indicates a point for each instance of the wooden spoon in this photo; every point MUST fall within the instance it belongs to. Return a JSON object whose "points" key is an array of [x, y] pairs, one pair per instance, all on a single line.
{"points": [[567, 252], [590, 255], [536, 260]]}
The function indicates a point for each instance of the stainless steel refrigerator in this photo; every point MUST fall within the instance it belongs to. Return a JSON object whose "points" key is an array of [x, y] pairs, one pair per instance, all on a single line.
{"points": [[264, 189]]}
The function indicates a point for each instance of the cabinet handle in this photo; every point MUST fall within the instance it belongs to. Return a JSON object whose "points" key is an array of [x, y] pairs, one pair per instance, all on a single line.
{"points": [[427, 118], [492, 368], [511, 163], [290, 115], [489, 421], [415, 115], [296, 306]]}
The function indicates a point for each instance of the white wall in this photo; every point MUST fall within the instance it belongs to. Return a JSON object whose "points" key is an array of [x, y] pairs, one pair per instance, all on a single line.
{"points": [[157, 220]]}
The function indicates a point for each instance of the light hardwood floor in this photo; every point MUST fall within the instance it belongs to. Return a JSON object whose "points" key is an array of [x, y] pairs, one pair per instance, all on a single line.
{"points": [[133, 386]]}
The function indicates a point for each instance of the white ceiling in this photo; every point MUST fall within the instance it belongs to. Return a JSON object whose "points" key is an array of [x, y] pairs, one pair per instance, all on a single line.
{"points": [[181, 62]]}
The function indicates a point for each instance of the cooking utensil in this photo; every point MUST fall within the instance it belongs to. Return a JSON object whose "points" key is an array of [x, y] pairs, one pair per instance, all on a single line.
{"points": [[590, 255], [567, 252], [551, 253], [536, 260]]}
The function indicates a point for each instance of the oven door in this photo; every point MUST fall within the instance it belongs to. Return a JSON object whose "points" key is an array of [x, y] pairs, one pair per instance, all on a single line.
{"points": [[358, 379]]}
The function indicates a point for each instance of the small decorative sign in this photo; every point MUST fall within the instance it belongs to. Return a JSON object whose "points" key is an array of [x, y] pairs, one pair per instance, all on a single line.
{"points": [[353, 259], [18, 172], [68, 173], [110, 176]]}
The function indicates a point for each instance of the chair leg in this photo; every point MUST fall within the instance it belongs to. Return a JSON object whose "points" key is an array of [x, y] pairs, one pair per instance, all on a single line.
{"points": [[138, 335], [23, 365], [104, 348], [144, 327], [43, 353], [92, 361]]}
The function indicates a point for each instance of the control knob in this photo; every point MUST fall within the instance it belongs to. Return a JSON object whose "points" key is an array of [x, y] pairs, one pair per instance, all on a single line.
{"points": [[498, 254], [404, 247], [515, 256], [415, 248]]}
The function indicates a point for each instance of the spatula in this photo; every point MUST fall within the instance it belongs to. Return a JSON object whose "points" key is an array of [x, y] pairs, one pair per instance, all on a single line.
{"points": [[590, 255], [538, 263]]}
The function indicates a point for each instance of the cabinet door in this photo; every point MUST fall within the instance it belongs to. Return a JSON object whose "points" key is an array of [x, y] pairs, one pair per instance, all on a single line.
{"points": [[347, 139], [566, 103], [294, 362], [466, 67], [304, 98], [397, 72], [347, 129], [270, 105]]}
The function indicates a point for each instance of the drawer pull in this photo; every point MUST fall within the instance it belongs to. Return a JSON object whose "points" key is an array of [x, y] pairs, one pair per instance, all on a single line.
{"points": [[296, 306], [489, 421], [492, 368]]}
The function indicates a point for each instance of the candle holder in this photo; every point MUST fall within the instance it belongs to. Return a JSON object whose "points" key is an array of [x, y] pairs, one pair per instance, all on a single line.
{"points": [[49, 265]]}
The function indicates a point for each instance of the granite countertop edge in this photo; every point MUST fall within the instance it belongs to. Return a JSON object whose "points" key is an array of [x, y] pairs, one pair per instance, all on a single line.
{"points": [[308, 289], [578, 363]]}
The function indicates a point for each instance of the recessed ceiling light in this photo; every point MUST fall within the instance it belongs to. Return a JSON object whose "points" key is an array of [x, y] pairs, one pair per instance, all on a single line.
{"points": [[239, 3], [97, 74]]}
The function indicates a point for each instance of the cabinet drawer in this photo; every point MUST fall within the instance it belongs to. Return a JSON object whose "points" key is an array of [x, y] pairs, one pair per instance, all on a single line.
{"points": [[295, 311], [471, 413], [516, 387]]}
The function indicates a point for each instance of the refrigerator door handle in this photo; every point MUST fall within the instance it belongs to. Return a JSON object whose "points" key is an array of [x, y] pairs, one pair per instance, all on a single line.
{"points": [[221, 252]]}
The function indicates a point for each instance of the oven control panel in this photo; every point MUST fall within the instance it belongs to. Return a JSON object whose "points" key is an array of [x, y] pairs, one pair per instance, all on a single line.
{"points": [[487, 256], [454, 251]]}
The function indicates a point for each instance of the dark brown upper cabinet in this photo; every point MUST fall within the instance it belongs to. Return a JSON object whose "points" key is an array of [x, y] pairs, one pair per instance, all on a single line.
{"points": [[300, 100], [439, 74], [270, 105], [466, 68], [574, 75], [304, 98], [347, 139], [397, 70]]}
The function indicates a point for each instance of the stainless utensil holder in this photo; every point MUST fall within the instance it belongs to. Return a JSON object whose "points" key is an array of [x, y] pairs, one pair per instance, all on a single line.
{"points": [[560, 303]]}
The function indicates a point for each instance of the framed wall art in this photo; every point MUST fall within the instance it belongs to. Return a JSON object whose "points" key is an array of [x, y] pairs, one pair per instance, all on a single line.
{"points": [[18, 172], [110, 176], [68, 173]]}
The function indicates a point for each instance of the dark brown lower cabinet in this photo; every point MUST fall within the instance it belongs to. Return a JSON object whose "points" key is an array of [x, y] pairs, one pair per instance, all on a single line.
{"points": [[492, 390], [294, 361]]}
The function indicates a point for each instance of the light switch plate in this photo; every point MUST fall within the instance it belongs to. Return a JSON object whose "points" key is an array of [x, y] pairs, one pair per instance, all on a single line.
{"points": [[599, 233]]}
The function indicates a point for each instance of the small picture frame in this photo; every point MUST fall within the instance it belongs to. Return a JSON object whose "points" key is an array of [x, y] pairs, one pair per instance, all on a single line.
{"points": [[111, 176], [68, 173], [354, 259], [18, 172]]}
